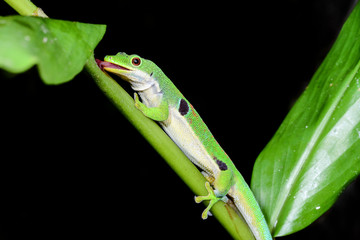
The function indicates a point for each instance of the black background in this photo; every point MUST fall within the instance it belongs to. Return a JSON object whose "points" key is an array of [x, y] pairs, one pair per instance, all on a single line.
{"points": [[73, 168]]}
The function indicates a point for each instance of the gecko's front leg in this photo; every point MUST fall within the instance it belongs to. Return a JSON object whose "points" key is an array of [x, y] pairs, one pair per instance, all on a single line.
{"points": [[160, 113]]}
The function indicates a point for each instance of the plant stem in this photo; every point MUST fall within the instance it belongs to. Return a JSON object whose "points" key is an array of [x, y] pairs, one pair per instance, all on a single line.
{"points": [[225, 214], [26, 8]]}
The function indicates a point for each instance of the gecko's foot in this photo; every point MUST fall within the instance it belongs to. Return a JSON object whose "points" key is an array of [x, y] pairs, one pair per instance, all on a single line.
{"points": [[211, 197], [138, 104]]}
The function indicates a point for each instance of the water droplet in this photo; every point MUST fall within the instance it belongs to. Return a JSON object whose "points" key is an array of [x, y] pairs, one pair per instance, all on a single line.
{"points": [[44, 29]]}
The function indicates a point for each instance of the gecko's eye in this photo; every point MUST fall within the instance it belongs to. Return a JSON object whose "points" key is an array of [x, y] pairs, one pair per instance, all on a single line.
{"points": [[136, 61]]}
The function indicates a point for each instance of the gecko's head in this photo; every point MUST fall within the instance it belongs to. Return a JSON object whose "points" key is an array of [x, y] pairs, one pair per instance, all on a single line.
{"points": [[132, 68]]}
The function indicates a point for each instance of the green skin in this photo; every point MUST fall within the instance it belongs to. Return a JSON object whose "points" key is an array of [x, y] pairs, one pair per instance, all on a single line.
{"points": [[163, 102]]}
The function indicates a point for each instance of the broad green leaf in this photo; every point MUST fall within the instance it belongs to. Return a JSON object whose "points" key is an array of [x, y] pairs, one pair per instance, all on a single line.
{"points": [[316, 151], [59, 48]]}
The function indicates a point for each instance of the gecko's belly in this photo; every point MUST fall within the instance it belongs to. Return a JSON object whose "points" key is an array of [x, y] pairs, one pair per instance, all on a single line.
{"points": [[183, 135]]}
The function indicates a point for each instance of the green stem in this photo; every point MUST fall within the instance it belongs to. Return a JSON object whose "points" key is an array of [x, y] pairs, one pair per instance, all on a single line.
{"points": [[225, 214], [26, 8]]}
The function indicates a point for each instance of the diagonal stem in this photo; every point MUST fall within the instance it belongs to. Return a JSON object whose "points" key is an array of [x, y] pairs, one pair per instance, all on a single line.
{"points": [[177, 160]]}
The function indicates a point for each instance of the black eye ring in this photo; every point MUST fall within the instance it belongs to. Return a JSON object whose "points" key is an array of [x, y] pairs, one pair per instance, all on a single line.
{"points": [[136, 61]]}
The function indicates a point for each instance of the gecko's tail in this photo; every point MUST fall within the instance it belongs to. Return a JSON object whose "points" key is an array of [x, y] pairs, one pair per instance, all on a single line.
{"points": [[250, 210]]}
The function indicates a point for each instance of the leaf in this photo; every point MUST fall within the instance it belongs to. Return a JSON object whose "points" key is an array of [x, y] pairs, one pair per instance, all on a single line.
{"points": [[59, 48], [316, 151]]}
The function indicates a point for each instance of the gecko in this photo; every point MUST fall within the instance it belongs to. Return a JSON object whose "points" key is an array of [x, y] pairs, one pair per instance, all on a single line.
{"points": [[161, 101]]}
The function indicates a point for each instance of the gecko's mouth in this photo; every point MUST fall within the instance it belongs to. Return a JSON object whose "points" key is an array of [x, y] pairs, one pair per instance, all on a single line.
{"points": [[102, 65]]}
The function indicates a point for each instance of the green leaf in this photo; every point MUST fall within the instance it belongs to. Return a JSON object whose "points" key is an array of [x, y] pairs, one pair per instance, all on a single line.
{"points": [[59, 48], [316, 151]]}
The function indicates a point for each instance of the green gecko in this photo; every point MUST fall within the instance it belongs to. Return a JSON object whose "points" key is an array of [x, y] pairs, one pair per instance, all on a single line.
{"points": [[163, 102]]}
